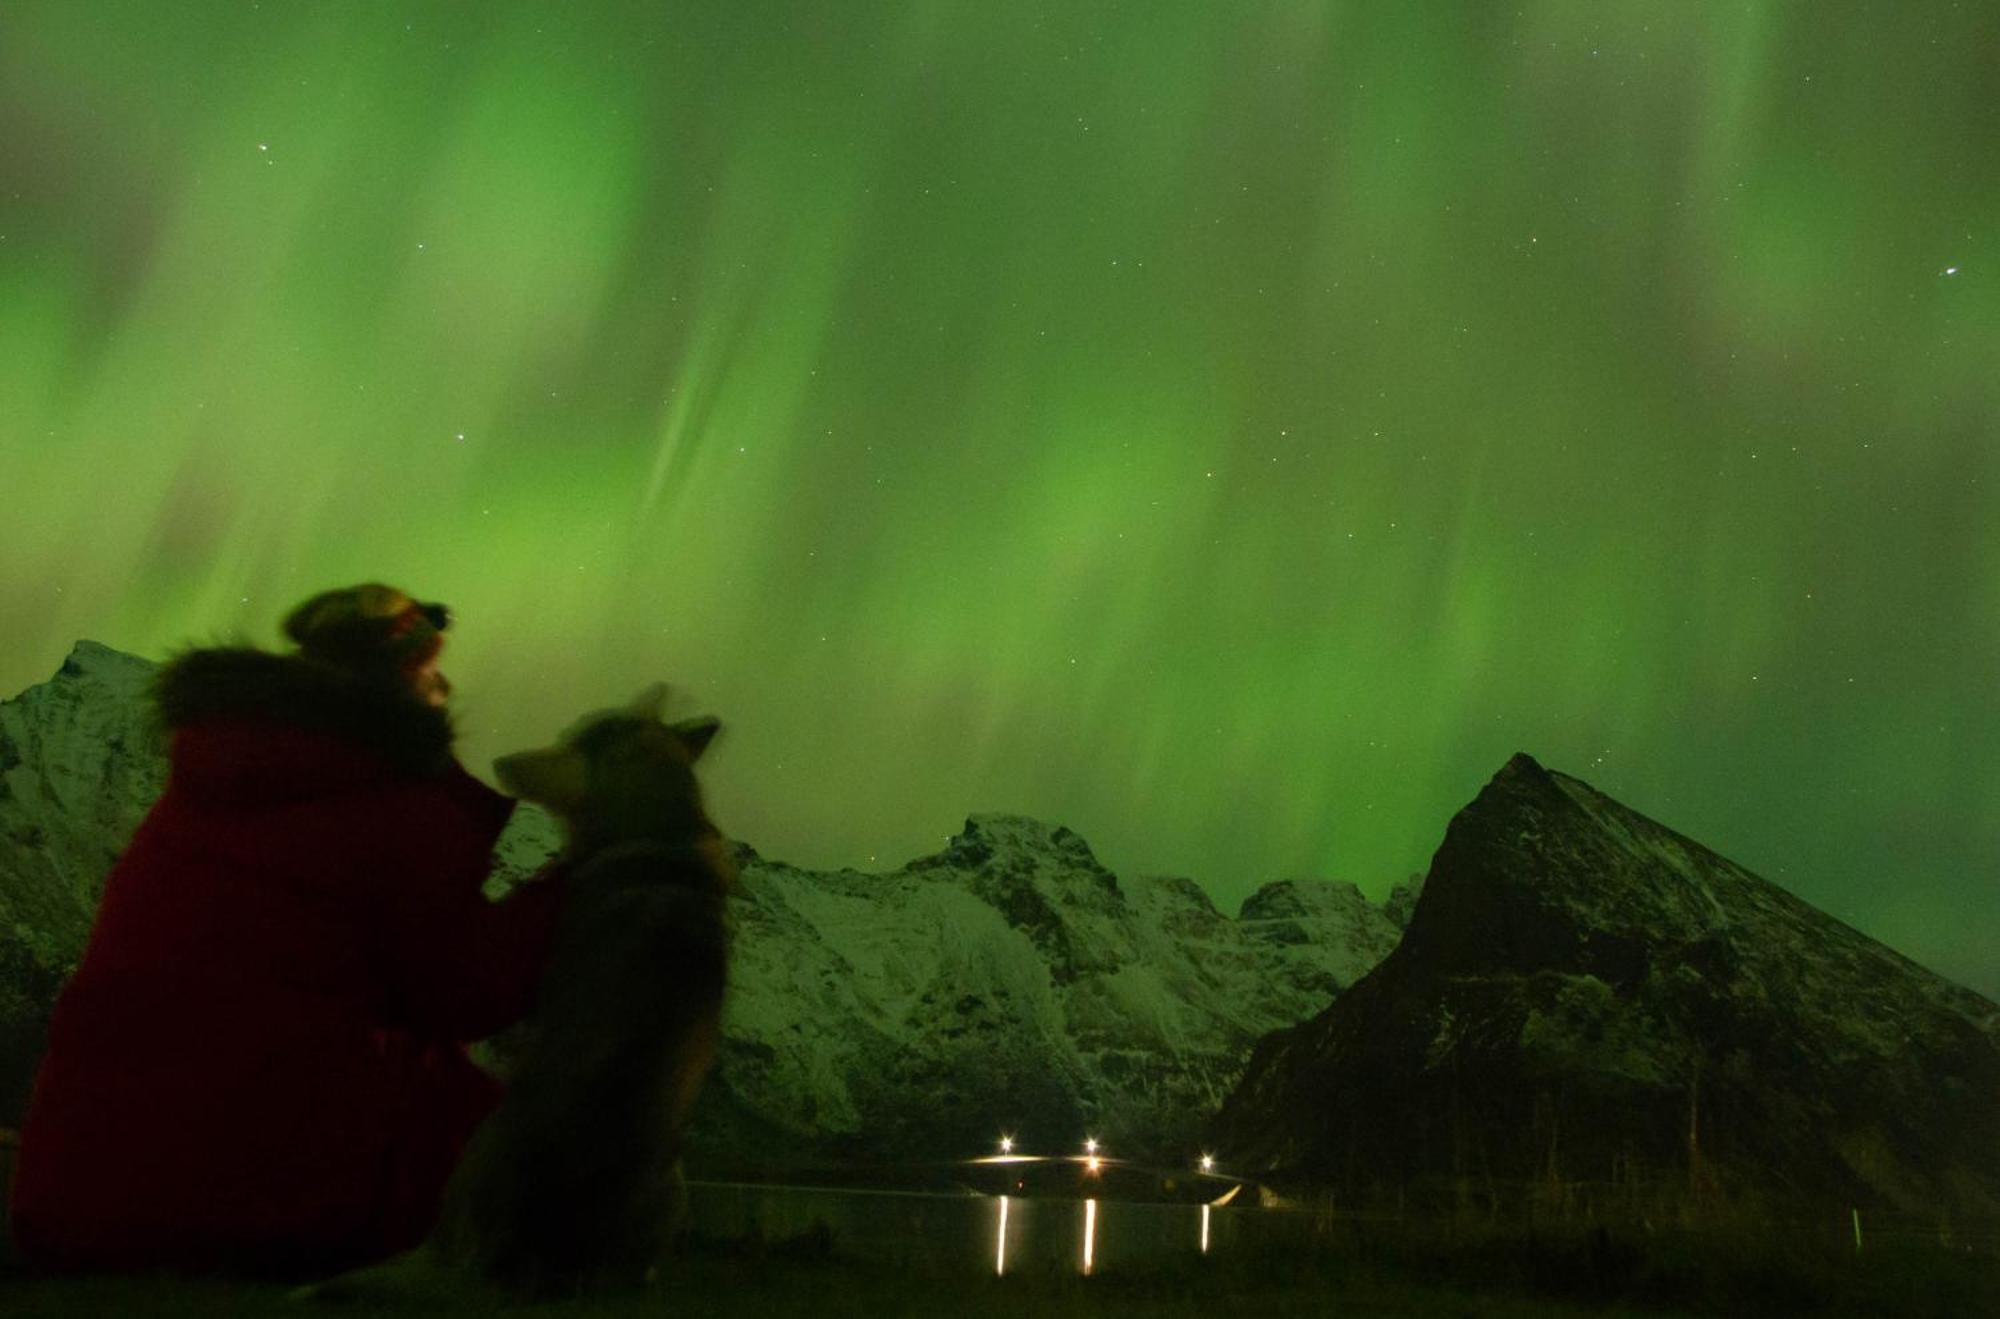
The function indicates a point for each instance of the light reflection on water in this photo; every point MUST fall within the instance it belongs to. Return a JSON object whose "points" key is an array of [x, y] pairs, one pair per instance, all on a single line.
{"points": [[1012, 1233]]}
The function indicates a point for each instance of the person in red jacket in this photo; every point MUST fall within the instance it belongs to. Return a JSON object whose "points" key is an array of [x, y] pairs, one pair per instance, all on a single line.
{"points": [[260, 1067]]}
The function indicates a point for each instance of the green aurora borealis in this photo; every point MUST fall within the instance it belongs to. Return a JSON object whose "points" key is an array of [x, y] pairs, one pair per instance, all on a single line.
{"points": [[1228, 429]]}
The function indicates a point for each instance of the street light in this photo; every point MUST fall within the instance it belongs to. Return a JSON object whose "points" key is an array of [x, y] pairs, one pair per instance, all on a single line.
{"points": [[1090, 1145], [1208, 1163], [1006, 1144]]}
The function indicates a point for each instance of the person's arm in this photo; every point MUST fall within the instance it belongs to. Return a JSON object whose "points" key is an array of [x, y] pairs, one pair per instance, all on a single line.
{"points": [[457, 966], [490, 809]]}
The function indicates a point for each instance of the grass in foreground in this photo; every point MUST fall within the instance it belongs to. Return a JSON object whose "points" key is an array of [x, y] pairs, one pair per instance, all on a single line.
{"points": [[830, 1289], [1491, 1279]]}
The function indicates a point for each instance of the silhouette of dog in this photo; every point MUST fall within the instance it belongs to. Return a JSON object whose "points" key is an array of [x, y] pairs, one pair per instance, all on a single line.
{"points": [[574, 1182]]}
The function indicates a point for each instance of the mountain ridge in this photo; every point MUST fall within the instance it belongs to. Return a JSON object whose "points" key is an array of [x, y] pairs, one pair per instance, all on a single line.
{"points": [[1009, 978]]}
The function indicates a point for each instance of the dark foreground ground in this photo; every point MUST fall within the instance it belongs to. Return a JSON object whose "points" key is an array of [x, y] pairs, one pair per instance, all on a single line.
{"points": [[1489, 1277]]}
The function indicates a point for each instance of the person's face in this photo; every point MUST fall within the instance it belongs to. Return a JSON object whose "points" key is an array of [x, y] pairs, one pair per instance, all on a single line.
{"points": [[429, 684]]}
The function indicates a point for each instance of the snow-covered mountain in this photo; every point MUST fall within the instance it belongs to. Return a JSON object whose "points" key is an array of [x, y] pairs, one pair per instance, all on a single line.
{"points": [[80, 760], [1588, 1006], [1010, 981]]}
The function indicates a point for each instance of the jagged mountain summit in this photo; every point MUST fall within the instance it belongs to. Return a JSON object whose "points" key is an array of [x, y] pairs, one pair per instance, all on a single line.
{"points": [[1587, 1005], [1011, 980]]}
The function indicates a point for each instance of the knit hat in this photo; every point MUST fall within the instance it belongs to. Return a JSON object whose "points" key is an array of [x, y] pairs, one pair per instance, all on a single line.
{"points": [[370, 628]]}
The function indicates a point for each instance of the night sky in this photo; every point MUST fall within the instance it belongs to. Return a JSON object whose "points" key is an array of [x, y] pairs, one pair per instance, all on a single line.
{"points": [[1228, 429]]}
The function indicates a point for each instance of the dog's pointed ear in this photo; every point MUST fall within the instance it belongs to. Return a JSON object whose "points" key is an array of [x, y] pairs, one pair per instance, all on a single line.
{"points": [[650, 702], [696, 734]]}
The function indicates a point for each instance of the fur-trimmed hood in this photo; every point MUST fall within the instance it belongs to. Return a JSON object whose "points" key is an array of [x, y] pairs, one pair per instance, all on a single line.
{"points": [[243, 685]]}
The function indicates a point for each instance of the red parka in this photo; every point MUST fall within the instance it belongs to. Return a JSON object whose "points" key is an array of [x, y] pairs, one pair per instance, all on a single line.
{"points": [[259, 1065]]}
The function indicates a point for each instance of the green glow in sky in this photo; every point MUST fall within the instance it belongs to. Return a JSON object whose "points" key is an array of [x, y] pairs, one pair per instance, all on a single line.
{"points": [[1230, 430]]}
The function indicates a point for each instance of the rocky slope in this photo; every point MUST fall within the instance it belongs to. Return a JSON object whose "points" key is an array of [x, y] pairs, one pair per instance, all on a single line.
{"points": [[1587, 1004], [1010, 981], [79, 762]]}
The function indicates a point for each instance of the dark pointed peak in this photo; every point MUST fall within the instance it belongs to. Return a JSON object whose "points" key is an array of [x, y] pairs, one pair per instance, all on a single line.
{"points": [[1521, 780], [1578, 962]]}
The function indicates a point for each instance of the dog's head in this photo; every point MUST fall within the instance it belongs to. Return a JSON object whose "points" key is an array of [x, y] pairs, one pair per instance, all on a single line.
{"points": [[621, 775]]}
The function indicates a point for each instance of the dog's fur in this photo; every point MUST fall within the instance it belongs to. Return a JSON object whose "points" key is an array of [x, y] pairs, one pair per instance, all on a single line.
{"points": [[574, 1183]]}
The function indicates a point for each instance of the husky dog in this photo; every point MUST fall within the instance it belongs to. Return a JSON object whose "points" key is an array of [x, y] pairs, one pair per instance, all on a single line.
{"points": [[574, 1182]]}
